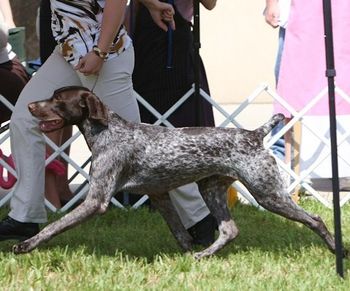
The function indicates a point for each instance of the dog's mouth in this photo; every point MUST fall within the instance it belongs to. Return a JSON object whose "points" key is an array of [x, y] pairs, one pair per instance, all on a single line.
{"points": [[51, 125]]}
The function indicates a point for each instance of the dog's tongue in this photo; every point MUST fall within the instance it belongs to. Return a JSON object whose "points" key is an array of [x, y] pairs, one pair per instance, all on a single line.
{"points": [[48, 125]]}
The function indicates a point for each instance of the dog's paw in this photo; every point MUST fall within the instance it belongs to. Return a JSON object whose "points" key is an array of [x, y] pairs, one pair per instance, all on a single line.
{"points": [[21, 248], [200, 255]]}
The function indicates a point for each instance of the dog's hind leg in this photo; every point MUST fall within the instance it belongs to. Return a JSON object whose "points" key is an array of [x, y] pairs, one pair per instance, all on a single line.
{"points": [[269, 191], [165, 207], [286, 207], [213, 190]]}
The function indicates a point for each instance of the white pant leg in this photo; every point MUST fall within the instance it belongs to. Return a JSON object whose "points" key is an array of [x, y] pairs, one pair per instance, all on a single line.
{"points": [[114, 87], [189, 204], [27, 142]]}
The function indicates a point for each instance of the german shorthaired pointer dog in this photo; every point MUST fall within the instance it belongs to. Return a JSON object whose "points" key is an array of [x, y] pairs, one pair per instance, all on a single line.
{"points": [[148, 159]]}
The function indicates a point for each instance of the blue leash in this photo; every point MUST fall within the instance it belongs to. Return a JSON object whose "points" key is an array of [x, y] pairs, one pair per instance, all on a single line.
{"points": [[169, 64]]}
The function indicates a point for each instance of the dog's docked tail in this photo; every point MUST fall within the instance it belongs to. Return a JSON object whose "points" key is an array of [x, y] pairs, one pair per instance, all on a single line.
{"points": [[268, 126]]}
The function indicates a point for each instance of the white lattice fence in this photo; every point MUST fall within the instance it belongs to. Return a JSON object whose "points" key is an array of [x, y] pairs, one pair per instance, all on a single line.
{"points": [[343, 139], [81, 168]]}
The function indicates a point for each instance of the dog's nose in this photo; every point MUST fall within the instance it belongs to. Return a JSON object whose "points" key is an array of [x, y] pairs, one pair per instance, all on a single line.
{"points": [[31, 107]]}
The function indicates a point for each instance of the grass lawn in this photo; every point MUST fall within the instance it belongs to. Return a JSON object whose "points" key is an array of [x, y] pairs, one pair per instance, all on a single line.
{"points": [[134, 250]]}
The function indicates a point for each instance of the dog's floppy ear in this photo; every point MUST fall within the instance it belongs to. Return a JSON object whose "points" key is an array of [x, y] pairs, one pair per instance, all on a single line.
{"points": [[97, 110]]}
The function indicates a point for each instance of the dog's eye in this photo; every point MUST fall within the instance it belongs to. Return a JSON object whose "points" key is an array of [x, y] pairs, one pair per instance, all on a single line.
{"points": [[57, 98], [61, 106]]}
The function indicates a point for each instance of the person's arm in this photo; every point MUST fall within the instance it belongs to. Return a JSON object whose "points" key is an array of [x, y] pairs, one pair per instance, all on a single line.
{"points": [[113, 14], [272, 13], [6, 11], [209, 4], [162, 13]]}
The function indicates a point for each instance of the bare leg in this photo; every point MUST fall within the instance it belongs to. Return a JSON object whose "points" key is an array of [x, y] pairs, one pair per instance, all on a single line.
{"points": [[51, 189], [56, 187], [64, 191]]}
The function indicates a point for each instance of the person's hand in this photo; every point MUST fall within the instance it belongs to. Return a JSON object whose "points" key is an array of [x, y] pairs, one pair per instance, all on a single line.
{"points": [[161, 13], [90, 64], [272, 14]]}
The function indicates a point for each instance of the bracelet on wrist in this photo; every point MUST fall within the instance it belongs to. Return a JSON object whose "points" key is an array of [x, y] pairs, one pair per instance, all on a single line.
{"points": [[99, 53]]}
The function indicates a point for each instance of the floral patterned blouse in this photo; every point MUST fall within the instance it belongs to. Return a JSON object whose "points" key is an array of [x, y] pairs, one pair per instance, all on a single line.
{"points": [[76, 26]]}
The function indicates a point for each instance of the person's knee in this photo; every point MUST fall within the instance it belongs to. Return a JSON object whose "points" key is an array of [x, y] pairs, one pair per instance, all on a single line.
{"points": [[23, 121]]}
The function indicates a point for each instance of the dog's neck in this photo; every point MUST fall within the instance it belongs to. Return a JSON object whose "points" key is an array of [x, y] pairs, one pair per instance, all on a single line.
{"points": [[92, 129]]}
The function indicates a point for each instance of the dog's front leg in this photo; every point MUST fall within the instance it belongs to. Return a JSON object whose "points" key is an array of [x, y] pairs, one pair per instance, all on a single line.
{"points": [[94, 203]]}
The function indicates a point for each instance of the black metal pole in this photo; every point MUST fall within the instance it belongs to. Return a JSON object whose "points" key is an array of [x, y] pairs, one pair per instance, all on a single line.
{"points": [[197, 45], [330, 74]]}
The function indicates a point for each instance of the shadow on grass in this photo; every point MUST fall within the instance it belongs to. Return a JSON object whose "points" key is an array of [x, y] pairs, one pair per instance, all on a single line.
{"points": [[143, 234]]}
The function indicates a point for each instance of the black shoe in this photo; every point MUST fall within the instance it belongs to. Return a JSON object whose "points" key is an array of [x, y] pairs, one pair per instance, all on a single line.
{"points": [[13, 229], [203, 232]]}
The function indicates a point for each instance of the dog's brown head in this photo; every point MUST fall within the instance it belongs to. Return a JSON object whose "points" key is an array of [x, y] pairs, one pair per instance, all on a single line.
{"points": [[68, 106]]}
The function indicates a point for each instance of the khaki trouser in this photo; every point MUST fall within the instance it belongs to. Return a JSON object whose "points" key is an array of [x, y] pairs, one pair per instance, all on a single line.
{"points": [[114, 86]]}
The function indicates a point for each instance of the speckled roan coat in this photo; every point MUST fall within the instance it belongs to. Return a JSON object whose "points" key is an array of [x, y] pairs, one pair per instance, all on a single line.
{"points": [[148, 159]]}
